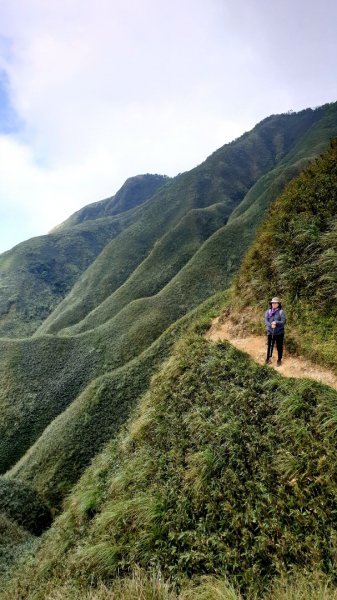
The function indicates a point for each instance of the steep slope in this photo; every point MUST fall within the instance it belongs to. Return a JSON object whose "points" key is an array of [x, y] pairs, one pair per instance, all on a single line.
{"points": [[53, 464], [225, 177], [39, 378], [44, 375], [169, 255], [37, 274], [134, 192], [295, 256], [226, 468]]}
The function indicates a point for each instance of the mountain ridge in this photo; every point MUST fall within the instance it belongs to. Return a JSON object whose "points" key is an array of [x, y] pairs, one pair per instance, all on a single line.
{"points": [[200, 185], [118, 338], [133, 192], [36, 274], [91, 384]]}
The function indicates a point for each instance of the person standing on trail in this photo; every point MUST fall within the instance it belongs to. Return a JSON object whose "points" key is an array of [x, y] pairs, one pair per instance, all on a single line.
{"points": [[275, 320]]}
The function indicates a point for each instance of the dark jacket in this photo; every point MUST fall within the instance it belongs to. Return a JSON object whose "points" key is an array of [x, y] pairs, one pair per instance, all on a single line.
{"points": [[280, 319]]}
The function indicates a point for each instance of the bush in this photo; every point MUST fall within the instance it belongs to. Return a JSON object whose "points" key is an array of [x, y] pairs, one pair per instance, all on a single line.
{"points": [[22, 504]]}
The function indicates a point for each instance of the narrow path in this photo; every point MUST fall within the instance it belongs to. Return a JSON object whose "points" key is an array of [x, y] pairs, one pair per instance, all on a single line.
{"points": [[292, 366]]}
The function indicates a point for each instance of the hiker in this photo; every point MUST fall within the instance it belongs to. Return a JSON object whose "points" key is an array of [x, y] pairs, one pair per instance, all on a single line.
{"points": [[275, 320]]}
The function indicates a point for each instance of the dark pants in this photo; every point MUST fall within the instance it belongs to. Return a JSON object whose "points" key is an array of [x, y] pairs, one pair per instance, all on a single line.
{"points": [[278, 339]]}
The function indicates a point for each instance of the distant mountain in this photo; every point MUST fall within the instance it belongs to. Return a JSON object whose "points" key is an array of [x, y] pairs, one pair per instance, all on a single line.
{"points": [[134, 192], [38, 273], [132, 281], [240, 177]]}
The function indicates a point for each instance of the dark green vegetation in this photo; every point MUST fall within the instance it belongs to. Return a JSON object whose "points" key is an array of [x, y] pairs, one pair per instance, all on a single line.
{"points": [[21, 504], [295, 256], [92, 419], [212, 475], [221, 471], [14, 542]]}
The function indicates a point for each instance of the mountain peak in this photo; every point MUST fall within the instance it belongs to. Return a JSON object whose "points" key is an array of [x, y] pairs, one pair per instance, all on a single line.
{"points": [[134, 191]]}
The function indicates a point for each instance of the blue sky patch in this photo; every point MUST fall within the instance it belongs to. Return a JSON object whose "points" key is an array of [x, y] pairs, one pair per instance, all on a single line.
{"points": [[9, 120]]}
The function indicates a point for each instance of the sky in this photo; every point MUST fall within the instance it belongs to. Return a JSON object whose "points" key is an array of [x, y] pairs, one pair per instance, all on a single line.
{"points": [[95, 91]]}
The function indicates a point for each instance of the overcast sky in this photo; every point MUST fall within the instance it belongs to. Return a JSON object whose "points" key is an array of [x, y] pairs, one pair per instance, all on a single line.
{"points": [[95, 91]]}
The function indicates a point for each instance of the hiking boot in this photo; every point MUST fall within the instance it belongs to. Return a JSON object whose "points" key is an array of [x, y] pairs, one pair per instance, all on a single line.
{"points": [[279, 363], [268, 361]]}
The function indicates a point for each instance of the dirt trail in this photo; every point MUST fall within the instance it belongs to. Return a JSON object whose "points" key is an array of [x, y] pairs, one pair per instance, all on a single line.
{"points": [[256, 346]]}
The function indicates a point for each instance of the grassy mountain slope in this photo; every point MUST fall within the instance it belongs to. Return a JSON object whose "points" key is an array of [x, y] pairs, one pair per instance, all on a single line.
{"points": [[39, 378], [134, 192], [166, 259], [44, 375], [37, 274], [226, 468], [47, 374], [295, 256], [14, 543], [53, 464], [226, 176]]}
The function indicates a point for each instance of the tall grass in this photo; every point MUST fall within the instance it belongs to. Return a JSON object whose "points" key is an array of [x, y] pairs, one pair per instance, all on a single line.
{"points": [[143, 586], [225, 468], [225, 475], [41, 377], [66, 447], [294, 255]]}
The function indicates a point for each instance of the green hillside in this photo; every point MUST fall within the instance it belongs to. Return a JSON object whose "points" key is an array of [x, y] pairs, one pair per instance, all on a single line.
{"points": [[225, 177], [38, 273], [295, 256], [226, 468], [43, 375], [53, 464], [168, 257], [134, 192], [39, 379], [211, 477]]}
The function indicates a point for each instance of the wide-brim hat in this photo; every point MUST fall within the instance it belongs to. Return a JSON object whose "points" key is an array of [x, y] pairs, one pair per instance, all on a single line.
{"points": [[275, 299]]}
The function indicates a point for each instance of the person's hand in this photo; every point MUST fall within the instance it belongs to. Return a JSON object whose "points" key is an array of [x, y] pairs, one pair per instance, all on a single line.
{"points": [[273, 324]]}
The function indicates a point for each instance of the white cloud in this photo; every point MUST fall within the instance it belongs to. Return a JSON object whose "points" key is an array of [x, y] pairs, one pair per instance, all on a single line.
{"points": [[36, 197], [109, 89]]}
